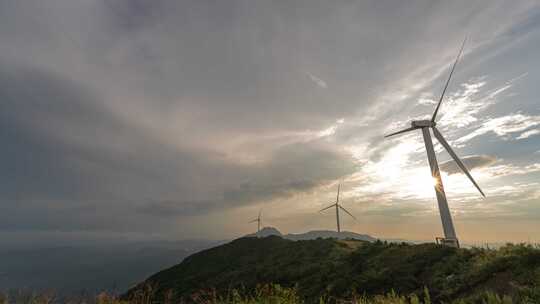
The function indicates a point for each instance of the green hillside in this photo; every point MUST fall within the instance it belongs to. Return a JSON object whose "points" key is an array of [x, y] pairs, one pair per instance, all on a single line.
{"points": [[345, 269]]}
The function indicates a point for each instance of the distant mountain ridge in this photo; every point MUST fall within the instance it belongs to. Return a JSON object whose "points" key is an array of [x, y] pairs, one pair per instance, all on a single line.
{"points": [[312, 235]]}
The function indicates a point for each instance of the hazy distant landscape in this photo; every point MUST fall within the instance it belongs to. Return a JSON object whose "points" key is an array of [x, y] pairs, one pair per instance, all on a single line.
{"points": [[70, 270]]}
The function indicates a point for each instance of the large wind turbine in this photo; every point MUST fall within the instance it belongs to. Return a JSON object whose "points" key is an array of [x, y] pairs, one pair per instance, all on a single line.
{"points": [[258, 220], [338, 206], [450, 237]]}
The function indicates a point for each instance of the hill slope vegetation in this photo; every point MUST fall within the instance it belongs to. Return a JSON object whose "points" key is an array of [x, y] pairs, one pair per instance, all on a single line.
{"points": [[342, 269]]}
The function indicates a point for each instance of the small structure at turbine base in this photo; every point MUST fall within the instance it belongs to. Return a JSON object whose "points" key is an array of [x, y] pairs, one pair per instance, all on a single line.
{"points": [[447, 242]]}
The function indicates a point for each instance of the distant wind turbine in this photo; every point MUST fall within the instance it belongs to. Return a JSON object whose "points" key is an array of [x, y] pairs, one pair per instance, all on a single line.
{"points": [[450, 237], [338, 206], [258, 220]]}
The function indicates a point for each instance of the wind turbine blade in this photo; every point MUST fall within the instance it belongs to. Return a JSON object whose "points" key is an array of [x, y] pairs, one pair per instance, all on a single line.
{"points": [[255, 220], [259, 214], [337, 198], [448, 81], [445, 144], [402, 131], [347, 212], [331, 206]]}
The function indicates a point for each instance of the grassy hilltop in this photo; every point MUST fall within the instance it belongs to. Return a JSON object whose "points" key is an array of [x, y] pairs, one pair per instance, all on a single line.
{"points": [[335, 269]]}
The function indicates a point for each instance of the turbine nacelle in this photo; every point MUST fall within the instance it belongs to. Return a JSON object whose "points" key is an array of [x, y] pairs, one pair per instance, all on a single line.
{"points": [[423, 123]]}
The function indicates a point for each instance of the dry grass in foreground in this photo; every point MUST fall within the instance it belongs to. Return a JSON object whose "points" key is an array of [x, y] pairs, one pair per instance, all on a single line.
{"points": [[263, 294]]}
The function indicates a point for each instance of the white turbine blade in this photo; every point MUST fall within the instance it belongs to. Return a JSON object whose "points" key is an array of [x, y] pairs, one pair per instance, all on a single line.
{"points": [[347, 212], [399, 132], [333, 205], [445, 144], [337, 198], [448, 81], [255, 220]]}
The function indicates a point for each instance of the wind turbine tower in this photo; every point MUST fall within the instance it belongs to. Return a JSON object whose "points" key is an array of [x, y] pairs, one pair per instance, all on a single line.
{"points": [[450, 237], [338, 207]]}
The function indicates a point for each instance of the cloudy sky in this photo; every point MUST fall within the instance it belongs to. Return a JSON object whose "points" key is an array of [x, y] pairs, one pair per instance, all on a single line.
{"points": [[135, 119]]}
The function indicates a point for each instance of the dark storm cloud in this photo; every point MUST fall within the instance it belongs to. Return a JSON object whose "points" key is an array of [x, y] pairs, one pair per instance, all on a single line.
{"points": [[217, 60], [61, 139], [246, 193], [294, 169], [70, 164], [471, 162], [38, 110]]}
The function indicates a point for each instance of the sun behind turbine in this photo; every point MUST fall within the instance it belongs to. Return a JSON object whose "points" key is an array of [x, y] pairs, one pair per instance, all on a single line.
{"points": [[450, 237]]}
